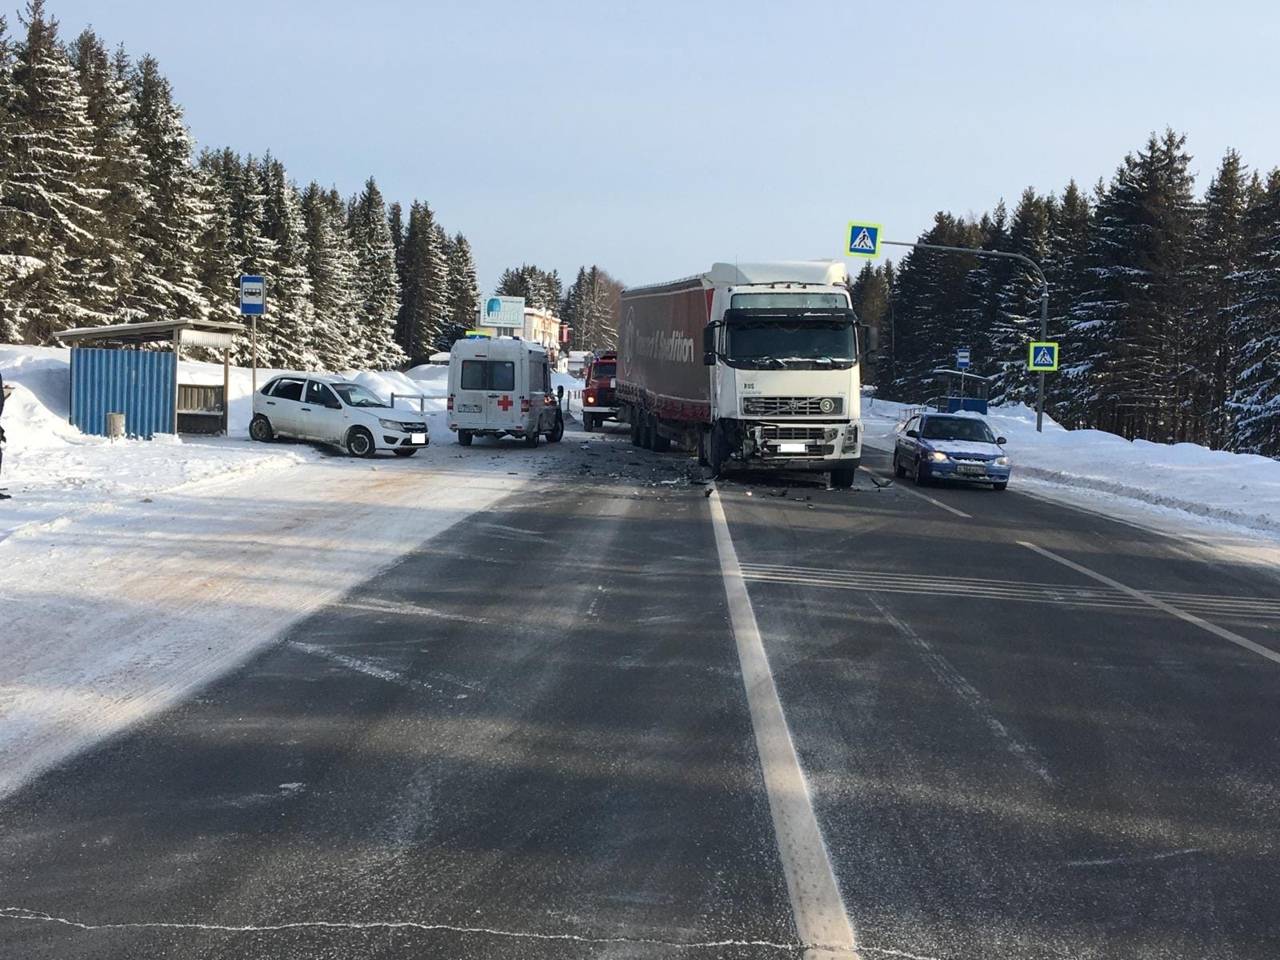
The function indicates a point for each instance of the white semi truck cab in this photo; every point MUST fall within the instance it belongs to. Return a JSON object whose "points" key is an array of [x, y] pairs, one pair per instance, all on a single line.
{"points": [[782, 353]]}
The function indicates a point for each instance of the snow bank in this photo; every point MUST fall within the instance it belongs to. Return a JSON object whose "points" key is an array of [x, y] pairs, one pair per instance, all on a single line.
{"points": [[1240, 489]]}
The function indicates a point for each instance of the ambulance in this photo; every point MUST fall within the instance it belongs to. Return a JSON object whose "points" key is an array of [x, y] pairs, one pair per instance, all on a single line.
{"points": [[501, 387]]}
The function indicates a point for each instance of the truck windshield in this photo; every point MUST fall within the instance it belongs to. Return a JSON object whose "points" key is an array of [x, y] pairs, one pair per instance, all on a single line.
{"points": [[603, 369], [790, 299], [775, 344]]}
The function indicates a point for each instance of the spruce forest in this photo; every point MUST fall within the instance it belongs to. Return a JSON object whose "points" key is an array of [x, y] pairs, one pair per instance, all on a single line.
{"points": [[1166, 304], [107, 216]]}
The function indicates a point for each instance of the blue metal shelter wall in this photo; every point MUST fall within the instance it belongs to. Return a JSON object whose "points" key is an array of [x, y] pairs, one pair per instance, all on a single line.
{"points": [[138, 383]]}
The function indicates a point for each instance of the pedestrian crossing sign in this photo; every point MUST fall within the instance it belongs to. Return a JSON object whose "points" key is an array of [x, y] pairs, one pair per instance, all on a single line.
{"points": [[864, 240], [1043, 356]]}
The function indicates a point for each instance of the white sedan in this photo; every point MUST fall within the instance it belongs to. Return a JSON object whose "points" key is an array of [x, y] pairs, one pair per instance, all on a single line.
{"points": [[338, 412]]}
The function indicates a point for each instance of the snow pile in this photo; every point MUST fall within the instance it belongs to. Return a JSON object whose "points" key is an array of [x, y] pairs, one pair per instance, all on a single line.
{"points": [[1237, 488]]}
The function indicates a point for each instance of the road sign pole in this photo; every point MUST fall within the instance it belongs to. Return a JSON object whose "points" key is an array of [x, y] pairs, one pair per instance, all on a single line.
{"points": [[253, 351], [1044, 335]]}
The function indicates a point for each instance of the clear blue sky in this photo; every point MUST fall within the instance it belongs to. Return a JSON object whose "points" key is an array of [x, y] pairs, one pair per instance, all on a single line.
{"points": [[656, 137]]}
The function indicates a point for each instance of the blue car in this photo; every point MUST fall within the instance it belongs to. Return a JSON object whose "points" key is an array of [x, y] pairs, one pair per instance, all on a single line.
{"points": [[941, 446]]}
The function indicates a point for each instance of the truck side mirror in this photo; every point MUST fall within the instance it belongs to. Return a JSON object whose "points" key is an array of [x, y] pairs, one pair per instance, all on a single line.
{"points": [[709, 340], [709, 359], [560, 391]]}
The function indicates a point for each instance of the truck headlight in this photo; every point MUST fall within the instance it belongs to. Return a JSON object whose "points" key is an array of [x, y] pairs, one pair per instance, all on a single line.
{"points": [[937, 456]]}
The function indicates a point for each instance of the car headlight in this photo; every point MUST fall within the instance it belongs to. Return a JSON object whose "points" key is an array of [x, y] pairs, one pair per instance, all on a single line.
{"points": [[937, 456], [391, 425], [1002, 461]]}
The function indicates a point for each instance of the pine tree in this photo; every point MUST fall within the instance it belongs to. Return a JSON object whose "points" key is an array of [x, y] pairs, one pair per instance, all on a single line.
{"points": [[1135, 313], [120, 175], [331, 267], [1222, 244], [464, 292], [1066, 264], [426, 284], [1255, 328], [869, 294], [377, 283], [930, 299], [1018, 320], [167, 285], [52, 208], [218, 264], [291, 317], [13, 269], [978, 312]]}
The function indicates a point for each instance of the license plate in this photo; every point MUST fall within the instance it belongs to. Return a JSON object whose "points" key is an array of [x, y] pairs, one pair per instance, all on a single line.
{"points": [[972, 471], [468, 408], [791, 448], [417, 438]]}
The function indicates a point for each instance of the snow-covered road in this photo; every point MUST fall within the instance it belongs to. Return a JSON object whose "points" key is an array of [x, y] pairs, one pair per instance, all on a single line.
{"points": [[115, 612]]}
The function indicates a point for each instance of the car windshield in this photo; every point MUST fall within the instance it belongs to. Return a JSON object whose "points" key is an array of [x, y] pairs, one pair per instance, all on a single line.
{"points": [[957, 428], [769, 343], [354, 395]]}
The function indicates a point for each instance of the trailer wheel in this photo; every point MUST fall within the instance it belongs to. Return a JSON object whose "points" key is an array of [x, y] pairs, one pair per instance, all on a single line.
{"points": [[637, 439]]}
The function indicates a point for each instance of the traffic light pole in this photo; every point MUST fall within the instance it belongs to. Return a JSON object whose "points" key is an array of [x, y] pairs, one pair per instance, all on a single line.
{"points": [[1001, 255]]}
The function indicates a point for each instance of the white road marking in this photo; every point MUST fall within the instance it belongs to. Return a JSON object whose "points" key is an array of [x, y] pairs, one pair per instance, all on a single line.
{"points": [[943, 669], [39, 916], [821, 919], [1140, 858], [1159, 604], [923, 496]]}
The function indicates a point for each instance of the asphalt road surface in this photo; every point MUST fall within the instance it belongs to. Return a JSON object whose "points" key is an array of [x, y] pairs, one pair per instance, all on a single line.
{"points": [[1027, 732]]}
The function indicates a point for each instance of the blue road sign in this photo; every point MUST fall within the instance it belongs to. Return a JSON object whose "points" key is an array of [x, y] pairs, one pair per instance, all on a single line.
{"points": [[863, 240], [1043, 357], [253, 296], [962, 358]]}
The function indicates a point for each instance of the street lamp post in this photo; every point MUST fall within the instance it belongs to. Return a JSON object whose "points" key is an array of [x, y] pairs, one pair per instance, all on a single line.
{"points": [[1001, 255]]}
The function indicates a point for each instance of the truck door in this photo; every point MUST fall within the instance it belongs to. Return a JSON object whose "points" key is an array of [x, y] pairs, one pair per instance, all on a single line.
{"points": [[502, 406], [471, 403]]}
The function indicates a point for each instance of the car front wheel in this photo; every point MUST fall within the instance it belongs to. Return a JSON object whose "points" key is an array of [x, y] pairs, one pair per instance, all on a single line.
{"points": [[921, 475], [260, 429], [898, 469], [360, 442]]}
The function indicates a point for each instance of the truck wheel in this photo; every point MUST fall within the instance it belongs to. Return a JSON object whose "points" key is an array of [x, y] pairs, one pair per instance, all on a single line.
{"points": [[531, 439], [637, 440], [703, 459], [588, 423], [557, 431], [360, 443], [464, 437], [260, 429], [842, 479]]}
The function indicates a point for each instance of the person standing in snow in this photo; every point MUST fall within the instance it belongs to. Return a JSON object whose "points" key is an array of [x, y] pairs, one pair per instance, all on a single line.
{"points": [[4, 393]]}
